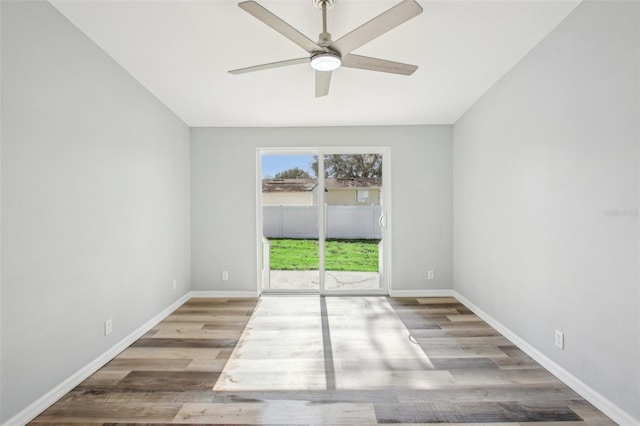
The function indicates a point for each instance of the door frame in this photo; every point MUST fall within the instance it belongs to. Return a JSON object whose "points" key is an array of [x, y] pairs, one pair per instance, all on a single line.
{"points": [[384, 268]]}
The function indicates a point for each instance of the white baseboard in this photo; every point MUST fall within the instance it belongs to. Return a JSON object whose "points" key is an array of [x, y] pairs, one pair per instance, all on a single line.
{"points": [[421, 293], [610, 409], [48, 399], [225, 294], [607, 407]]}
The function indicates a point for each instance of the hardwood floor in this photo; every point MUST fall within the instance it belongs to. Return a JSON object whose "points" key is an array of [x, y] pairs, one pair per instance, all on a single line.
{"points": [[314, 360]]}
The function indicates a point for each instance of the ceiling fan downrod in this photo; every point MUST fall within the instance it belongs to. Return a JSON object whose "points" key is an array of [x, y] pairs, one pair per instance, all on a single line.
{"points": [[324, 39]]}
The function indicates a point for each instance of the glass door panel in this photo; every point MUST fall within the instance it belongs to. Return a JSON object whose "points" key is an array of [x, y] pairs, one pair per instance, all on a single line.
{"points": [[353, 219], [290, 225]]}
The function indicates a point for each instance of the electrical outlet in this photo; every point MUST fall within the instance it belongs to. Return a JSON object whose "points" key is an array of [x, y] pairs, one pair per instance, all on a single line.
{"points": [[175, 284], [225, 275], [430, 275], [560, 339], [108, 327]]}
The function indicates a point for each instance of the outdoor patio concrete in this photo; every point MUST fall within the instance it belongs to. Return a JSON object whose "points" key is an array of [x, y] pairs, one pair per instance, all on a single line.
{"points": [[335, 280]]}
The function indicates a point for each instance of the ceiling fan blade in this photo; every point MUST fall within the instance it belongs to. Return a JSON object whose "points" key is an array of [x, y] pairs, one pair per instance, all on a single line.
{"points": [[379, 25], [375, 64], [279, 25], [271, 65], [323, 80]]}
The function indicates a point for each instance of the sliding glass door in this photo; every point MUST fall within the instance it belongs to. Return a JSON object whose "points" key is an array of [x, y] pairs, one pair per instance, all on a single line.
{"points": [[323, 221]]}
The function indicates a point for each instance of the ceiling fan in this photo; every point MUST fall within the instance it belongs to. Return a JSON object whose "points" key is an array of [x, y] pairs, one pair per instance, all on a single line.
{"points": [[327, 55]]}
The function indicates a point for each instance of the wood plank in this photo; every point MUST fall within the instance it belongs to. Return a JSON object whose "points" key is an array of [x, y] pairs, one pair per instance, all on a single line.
{"points": [[206, 364], [463, 363], [168, 381], [104, 377], [185, 343], [459, 332], [530, 393], [463, 351], [278, 412], [171, 353], [437, 300], [442, 412], [465, 340], [181, 333], [464, 318], [109, 412], [146, 364]]}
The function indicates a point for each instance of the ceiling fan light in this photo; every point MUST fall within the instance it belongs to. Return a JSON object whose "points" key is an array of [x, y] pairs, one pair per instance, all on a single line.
{"points": [[325, 62]]}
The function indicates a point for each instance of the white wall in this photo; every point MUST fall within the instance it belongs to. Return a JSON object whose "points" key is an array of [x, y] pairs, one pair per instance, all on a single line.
{"points": [[541, 163], [95, 202], [288, 198], [223, 177]]}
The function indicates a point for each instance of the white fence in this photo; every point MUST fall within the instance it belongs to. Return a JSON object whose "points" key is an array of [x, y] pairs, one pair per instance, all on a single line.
{"points": [[341, 222]]}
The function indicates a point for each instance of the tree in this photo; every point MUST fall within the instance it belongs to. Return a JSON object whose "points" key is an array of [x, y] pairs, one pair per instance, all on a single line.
{"points": [[294, 173], [346, 166]]}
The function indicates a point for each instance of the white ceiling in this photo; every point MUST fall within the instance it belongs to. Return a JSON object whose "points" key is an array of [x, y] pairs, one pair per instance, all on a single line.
{"points": [[181, 51]]}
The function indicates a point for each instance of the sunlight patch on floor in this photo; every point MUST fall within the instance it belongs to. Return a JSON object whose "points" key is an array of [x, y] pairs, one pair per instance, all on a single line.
{"points": [[360, 344]]}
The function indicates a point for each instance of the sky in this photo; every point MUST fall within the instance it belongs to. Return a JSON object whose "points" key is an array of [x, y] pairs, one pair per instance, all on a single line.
{"points": [[272, 164]]}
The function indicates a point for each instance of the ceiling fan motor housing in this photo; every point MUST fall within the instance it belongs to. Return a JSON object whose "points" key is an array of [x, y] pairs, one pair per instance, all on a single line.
{"points": [[324, 40]]}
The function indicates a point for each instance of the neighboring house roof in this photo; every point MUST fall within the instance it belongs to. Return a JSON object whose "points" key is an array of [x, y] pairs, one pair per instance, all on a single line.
{"points": [[288, 185], [353, 183], [304, 185]]}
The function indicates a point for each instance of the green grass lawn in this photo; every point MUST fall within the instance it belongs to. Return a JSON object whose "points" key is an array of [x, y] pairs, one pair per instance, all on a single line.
{"points": [[340, 255]]}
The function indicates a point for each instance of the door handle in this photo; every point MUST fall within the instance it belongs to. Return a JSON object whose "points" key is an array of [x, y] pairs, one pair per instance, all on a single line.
{"points": [[382, 221]]}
